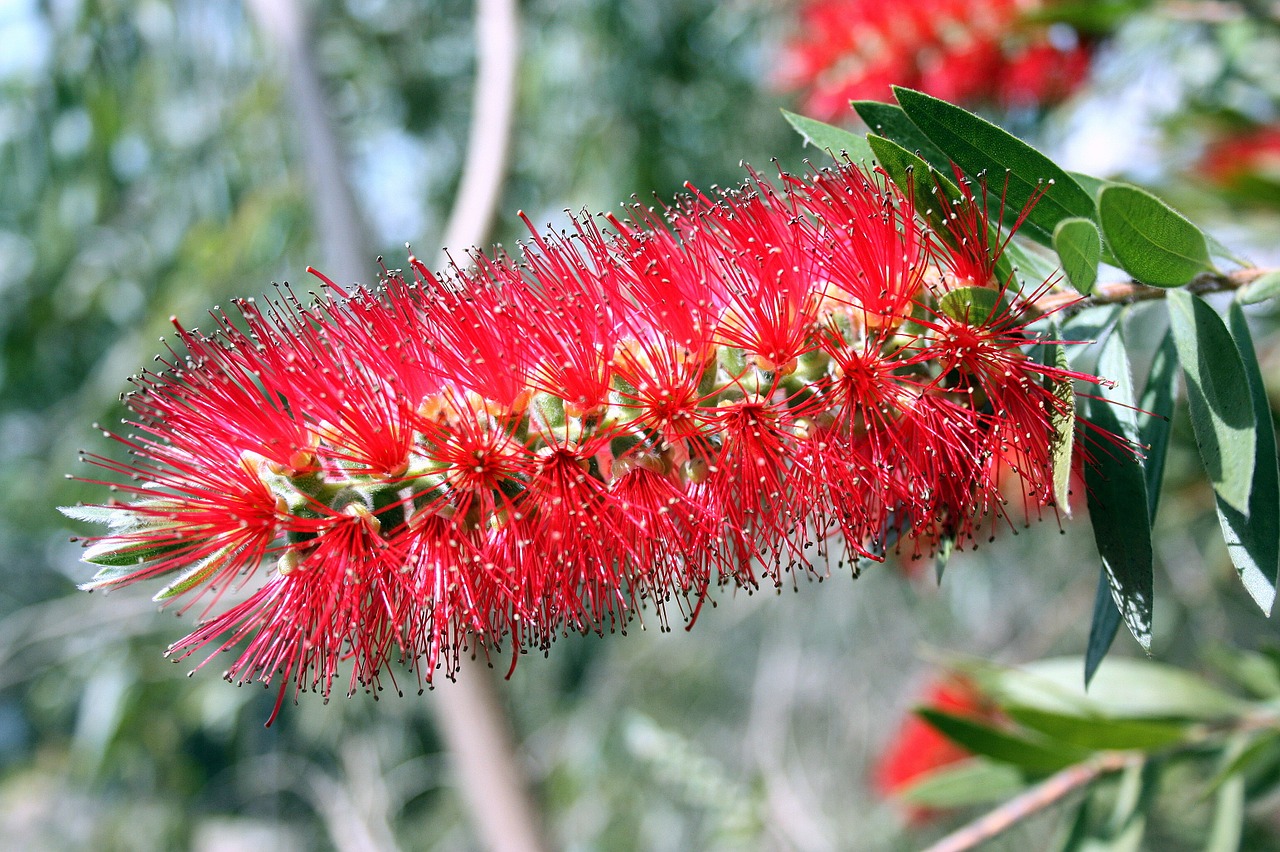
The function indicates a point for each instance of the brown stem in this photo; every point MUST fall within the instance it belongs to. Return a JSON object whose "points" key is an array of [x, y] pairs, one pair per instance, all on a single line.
{"points": [[490, 778], [1043, 795], [1126, 292], [340, 229], [489, 137]]}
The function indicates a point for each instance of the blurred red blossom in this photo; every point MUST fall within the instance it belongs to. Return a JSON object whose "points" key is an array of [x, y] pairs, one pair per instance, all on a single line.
{"points": [[917, 748], [1245, 163], [965, 51]]}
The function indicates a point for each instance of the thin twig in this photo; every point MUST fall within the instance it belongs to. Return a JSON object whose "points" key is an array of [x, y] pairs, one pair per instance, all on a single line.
{"points": [[341, 233], [1047, 793], [479, 736], [489, 137], [1126, 292]]}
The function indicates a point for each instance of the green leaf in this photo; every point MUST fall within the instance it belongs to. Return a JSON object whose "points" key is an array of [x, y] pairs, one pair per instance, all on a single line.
{"points": [[194, 576], [917, 179], [1154, 416], [1217, 249], [889, 121], [1079, 245], [130, 552], [1219, 397], [1126, 689], [1261, 289], [970, 782], [922, 183], [831, 139], [1103, 627], [1098, 17], [105, 515], [1001, 746], [1253, 536], [974, 305], [1090, 184], [1097, 732], [978, 146], [1031, 265], [1149, 239], [1117, 495]]}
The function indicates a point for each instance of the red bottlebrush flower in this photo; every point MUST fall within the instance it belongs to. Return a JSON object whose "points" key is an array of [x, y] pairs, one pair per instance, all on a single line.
{"points": [[967, 51], [496, 455], [916, 748]]}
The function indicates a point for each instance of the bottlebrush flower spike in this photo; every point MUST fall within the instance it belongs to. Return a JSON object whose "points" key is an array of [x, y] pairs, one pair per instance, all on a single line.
{"points": [[497, 454]]}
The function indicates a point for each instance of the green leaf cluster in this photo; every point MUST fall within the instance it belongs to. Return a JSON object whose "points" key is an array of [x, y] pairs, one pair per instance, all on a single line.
{"points": [[1141, 731]]}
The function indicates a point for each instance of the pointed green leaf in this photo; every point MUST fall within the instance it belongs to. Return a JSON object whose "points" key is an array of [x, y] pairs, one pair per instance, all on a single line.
{"points": [[1001, 746], [1219, 398], [105, 515], [831, 139], [109, 576], [1150, 240], [194, 576], [922, 183], [1097, 732], [1098, 17], [1079, 245], [1217, 249], [1090, 184], [1103, 627], [1117, 494], [1154, 415], [916, 179], [1260, 289], [889, 121], [1253, 536], [130, 551], [978, 146], [970, 782]]}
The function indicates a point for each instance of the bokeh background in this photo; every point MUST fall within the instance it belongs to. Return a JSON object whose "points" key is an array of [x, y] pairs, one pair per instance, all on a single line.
{"points": [[152, 164]]}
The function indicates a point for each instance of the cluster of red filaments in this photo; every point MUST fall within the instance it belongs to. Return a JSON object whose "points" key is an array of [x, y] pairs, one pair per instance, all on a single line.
{"points": [[965, 51], [630, 412]]}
